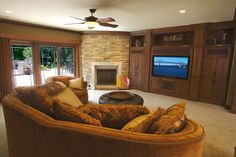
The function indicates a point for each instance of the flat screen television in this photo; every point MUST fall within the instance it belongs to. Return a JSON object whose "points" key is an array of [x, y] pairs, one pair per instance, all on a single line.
{"points": [[171, 66]]}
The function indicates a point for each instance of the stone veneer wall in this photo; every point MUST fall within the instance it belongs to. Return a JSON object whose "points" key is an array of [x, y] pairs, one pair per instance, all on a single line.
{"points": [[104, 48]]}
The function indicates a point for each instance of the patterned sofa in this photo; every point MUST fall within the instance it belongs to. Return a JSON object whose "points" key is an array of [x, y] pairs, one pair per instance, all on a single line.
{"points": [[81, 94], [31, 133]]}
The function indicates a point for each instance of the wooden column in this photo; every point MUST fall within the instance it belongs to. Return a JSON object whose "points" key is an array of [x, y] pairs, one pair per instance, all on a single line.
{"points": [[199, 36], [77, 61], [5, 67], [36, 64]]}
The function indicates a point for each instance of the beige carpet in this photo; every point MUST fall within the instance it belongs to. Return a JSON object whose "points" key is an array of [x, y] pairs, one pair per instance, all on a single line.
{"points": [[219, 124]]}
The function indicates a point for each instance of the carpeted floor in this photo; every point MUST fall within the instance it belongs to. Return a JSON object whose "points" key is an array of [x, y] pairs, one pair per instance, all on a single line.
{"points": [[219, 124]]}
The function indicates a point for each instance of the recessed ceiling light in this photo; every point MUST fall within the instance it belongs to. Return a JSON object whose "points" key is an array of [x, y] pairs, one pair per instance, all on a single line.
{"points": [[8, 11], [182, 11]]}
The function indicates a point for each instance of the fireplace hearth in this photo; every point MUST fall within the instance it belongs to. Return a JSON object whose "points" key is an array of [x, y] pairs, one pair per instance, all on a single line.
{"points": [[104, 75]]}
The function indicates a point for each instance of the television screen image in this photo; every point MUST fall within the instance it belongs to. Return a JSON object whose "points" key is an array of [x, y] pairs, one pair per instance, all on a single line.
{"points": [[171, 66]]}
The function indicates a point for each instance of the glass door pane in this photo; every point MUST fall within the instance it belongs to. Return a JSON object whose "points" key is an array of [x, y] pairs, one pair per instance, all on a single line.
{"points": [[66, 61], [22, 66], [48, 59]]}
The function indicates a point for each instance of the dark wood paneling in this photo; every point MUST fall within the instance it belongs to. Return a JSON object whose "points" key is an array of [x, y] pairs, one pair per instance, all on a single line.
{"points": [[215, 75], [5, 66], [199, 35], [233, 106]]}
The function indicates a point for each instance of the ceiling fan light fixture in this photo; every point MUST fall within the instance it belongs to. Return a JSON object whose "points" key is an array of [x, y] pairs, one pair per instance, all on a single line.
{"points": [[92, 24]]}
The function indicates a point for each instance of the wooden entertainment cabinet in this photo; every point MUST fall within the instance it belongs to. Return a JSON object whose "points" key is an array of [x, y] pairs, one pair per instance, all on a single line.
{"points": [[139, 60], [209, 47]]}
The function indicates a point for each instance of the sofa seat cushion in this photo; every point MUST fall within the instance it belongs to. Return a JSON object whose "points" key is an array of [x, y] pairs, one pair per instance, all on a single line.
{"points": [[67, 112], [114, 116]]}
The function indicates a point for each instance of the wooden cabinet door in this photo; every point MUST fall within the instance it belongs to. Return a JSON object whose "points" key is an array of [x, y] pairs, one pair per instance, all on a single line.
{"points": [[206, 88], [137, 62], [141, 62], [136, 80], [222, 67], [133, 60], [219, 90], [213, 85], [140, 78], [133, 80], [208, 74], [209, 67]]}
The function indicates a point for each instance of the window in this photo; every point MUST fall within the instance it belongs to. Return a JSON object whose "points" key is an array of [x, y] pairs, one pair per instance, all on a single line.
{"points": [[32, 63], [56, 60], [22, 66]]}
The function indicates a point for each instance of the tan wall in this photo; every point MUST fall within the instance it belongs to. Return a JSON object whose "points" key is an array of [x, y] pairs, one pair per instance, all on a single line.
{"points": [[15, 31], [102, 48]]}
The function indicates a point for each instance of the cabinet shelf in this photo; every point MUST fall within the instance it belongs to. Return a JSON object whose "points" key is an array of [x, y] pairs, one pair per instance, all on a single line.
{"points": [[219, 36], [218, 45], [174, 39], [171, 46], [137, 48]]}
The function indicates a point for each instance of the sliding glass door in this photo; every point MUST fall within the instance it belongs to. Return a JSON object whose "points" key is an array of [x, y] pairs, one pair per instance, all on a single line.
{"points": [[66, 61], [48, 60], [55, 60], [22, 66]]}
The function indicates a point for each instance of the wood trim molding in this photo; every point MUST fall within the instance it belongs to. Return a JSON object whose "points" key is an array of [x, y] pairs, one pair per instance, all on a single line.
{"points": [[5, 67], [220, 25], [34, 38]]}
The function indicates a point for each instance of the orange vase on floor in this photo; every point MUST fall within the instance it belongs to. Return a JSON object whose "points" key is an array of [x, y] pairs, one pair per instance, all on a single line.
{"points": [[123, 82]]}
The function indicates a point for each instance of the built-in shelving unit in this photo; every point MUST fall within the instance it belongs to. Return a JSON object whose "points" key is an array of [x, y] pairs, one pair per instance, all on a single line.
{"points": [[216, 62], [171, 42], [139, 60], [209, 47]]}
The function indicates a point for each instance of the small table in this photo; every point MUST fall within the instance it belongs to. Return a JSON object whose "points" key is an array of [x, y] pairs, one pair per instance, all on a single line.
{"points": [[135, 100]]}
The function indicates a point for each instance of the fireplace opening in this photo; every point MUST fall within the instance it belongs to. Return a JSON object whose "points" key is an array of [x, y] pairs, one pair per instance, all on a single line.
{"points": [[106, 76]]}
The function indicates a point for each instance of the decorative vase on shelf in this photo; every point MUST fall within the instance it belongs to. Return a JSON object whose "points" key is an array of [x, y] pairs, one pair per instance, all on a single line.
{"points": [[224, 38]]}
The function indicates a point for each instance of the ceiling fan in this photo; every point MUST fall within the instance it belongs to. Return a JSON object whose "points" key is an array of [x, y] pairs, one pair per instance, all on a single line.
{"points": [[93, 21]]}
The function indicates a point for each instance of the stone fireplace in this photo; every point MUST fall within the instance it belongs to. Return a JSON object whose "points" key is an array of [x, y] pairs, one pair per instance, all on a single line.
{"points": [[104, 74], [107, 52]]}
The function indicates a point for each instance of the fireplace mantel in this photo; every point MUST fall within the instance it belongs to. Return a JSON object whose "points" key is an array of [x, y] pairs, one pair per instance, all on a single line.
{"points": [[104, 65]]}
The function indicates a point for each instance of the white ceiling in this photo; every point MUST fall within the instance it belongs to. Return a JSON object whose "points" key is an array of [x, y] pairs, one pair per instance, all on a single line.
{"points": [[130, 15]]}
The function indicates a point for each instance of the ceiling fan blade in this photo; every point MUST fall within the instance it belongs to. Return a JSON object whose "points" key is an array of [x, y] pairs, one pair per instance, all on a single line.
{"points": [[75, 23], [108, 25], [107, 19], [77, 18]]}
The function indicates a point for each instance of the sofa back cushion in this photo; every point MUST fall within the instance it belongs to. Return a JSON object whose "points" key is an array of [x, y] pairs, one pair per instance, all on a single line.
{"points": [[42, 97], [114, 116], [67, 112], [63, 79], [25, 94]]}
